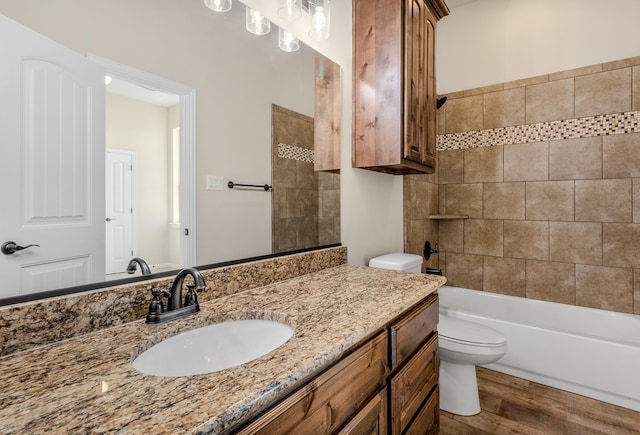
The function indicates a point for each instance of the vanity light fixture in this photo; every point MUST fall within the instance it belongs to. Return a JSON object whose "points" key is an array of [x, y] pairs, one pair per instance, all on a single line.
{"points": [[219, 5], [319, 19], [287, 42], [290, 10], [256, 23]]}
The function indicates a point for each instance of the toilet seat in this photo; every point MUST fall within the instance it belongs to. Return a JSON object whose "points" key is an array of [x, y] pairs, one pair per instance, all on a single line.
{"points": [[461, 332]]}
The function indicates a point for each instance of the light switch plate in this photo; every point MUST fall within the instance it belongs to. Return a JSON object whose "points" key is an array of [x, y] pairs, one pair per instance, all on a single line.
{"points": [[215, 182]]}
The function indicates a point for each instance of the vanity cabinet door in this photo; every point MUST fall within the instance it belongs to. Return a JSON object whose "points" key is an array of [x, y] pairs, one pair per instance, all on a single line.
{"points": [[327, 402], [371, 420], [411, 386], [412, 330]]}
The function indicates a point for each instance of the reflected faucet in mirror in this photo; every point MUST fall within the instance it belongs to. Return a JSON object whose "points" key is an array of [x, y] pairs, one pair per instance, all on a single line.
{"points": [[177, 308], [144, 267]]}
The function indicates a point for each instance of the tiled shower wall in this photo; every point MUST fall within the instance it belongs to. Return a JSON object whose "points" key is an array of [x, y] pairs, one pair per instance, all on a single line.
{"points": [[305, 203], [550, 185]]}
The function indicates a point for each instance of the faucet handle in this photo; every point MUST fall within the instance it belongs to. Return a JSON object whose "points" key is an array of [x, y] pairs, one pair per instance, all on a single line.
{"points": [[156, 306], [191, 298]]}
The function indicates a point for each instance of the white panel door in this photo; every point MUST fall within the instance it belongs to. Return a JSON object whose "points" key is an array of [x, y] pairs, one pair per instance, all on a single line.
{"points": [[52, 165], [120, 246]]}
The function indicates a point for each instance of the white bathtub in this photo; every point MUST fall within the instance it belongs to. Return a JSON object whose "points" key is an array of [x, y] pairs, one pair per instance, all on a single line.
{"points": [[591, 352]]}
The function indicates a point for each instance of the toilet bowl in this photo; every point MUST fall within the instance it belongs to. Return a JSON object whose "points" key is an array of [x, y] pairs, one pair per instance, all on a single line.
{"points": [[462, 345]]}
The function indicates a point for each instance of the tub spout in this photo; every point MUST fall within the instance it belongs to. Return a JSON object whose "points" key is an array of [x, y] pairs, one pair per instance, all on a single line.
{"points": [[432, 271]]}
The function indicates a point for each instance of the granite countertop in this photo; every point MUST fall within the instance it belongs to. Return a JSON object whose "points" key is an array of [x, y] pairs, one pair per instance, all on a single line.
{"points": [[87, 384]]}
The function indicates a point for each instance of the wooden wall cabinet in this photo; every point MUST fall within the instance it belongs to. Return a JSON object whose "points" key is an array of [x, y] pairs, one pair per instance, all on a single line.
{"points": [[394, 91], [389, 384]]}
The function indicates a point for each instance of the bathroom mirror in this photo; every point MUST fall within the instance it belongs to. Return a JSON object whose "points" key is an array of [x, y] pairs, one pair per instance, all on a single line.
{"points": [[237, 77]]}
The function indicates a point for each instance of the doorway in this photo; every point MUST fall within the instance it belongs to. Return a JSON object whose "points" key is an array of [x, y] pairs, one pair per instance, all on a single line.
{"points": [[186, 228]]}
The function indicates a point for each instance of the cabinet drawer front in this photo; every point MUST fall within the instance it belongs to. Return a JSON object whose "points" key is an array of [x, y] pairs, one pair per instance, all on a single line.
{"points": [[410, 332], [371, 420], [328, 401], [413, 383], [427, 420]]}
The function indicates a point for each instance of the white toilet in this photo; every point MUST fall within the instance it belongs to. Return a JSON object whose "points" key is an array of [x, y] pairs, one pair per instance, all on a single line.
{"points": [[462, 345]]}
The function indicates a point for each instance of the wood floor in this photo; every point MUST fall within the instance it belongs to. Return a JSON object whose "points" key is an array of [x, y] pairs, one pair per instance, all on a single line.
{"points": [[516, 406]]}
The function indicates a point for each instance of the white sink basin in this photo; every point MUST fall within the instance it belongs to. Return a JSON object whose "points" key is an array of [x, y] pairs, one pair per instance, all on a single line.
{"points": [[213, 348]]}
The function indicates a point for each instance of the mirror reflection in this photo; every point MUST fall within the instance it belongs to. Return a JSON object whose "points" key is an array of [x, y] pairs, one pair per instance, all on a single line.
{"points": [[238, 79]]}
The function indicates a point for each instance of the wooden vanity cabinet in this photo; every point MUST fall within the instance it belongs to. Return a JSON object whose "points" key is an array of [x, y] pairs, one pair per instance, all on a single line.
{"points": [[415, 363], [327, 402], [394, 93], [389, 384]]}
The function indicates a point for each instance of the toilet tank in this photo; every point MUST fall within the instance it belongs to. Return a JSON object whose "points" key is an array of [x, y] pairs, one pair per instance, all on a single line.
{"points": [[398, 261]]}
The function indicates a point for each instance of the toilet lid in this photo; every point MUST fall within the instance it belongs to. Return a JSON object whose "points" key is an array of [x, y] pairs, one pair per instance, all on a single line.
{"points": [[468, 332]]}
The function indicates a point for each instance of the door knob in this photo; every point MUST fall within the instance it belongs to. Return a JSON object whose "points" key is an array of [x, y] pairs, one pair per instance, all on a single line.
{"points": [[9, 248], [109, 219]]}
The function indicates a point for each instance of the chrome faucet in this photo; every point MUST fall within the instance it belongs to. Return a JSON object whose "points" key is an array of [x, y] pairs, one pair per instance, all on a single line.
{"points": [[177, 307], [144, 267]]}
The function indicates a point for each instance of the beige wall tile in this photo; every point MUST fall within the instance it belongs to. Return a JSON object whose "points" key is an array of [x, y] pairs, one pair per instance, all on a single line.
{"points": [[575, 159], [421, 198], [483, 237], [464, 114], [636, 291], [606, 288], [464, 199], [464, 270], [591, 69], [483, 165], [575, 242], [451, 166], [526, 239], [605, 92], [504, 276], [621, 155], [635, 88], [527, 81], [620, 244], [526, 162], [451, 236], [621, 63], [550, 200], [504, 108], [550, 281], [550, 101], [604, 200], [413, 236], [636, 200], [504, 200]]}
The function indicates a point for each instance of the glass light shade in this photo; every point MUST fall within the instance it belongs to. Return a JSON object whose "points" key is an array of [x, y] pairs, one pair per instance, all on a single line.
{"points": [[290, 10], [287, 42], [218, 5], [319, 19], [257, 23]]}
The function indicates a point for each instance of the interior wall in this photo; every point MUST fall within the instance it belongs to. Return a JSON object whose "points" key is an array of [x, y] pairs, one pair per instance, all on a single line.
{"points": [[549, 192], [494, 41], [142, 127]]}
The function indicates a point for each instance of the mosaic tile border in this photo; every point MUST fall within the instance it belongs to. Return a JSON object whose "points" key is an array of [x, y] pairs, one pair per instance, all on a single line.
{"points": [[589, 126], [294, 152]]}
